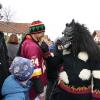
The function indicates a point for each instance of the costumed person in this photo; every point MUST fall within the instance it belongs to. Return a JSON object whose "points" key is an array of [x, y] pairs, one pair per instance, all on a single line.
{"points": [[81, 63], [16, 86], [4, 68], [31, 49], [12, 47]]}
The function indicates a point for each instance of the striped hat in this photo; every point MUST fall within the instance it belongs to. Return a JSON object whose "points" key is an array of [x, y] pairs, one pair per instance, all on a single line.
{"points": [[36, 27]]}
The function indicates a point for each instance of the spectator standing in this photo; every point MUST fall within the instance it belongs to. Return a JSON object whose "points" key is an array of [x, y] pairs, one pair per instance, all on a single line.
{"points": [[54, 63], [12, 46], [31, 49], [4, 68]]}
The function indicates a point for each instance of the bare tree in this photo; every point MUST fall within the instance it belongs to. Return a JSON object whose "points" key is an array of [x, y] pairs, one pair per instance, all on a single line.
{"points": [[0, 6], [8, 14], [0, 12]]}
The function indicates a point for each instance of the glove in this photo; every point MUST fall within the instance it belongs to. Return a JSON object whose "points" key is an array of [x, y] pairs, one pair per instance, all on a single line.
{"points": [[44, 47]]}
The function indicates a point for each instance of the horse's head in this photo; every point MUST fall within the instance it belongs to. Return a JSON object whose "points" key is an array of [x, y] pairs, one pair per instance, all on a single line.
{"points": [[68, 34], [75, 37]]}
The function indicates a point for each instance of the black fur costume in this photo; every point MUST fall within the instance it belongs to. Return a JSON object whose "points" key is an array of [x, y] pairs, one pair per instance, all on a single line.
{"points": [[81, 64]]}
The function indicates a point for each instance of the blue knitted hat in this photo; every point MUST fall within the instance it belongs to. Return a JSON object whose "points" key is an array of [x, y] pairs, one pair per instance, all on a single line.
{"points": [[22, 68]]}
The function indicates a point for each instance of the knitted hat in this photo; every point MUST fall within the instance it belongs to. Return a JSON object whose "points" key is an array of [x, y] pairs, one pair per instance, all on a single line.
{"points": [[22, 68], [36, 27]]}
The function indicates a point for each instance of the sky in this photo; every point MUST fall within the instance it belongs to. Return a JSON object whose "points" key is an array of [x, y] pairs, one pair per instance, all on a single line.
{"points": [[56, 13]]}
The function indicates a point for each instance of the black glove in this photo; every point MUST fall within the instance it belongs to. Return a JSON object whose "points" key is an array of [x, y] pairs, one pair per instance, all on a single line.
{"points": [[44, 47]]}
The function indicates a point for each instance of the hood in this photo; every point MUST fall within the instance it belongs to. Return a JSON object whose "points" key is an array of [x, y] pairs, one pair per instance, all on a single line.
{"points": [[12, 86]]}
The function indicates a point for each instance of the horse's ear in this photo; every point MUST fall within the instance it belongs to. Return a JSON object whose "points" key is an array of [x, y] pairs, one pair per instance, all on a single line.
{"points": [[67, 24], [73, 22]]}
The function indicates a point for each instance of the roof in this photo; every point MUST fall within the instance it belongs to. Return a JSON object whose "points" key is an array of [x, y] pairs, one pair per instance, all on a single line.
{"points": [[96, 33], [12, 27]]}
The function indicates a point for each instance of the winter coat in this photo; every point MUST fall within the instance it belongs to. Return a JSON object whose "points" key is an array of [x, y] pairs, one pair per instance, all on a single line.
{"points": [[13, 90], [4, 65], [30, 49], [12, 50]]}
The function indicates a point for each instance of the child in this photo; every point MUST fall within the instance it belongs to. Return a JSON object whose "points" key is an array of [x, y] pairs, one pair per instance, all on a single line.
{"points": [[16, 86]]}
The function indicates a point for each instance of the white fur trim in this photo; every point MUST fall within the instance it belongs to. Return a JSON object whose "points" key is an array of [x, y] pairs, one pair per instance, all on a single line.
{"points": [[66, 52], [85, 74], [96, 74], [83, 56], [64, 77]]}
